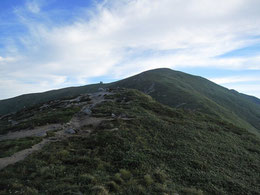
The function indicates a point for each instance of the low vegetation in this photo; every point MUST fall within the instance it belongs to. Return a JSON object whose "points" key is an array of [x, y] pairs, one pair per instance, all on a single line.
{"points": [[9, 147], [172, 88], [181, 90], [157, 150], [33, 117]]}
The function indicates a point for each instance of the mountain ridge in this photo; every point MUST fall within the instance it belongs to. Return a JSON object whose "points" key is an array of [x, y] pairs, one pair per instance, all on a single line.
{"points": [[173, 88], [198, 93]]}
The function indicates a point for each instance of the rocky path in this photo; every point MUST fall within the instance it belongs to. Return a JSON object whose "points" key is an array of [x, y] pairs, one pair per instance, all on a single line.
{"points": [[73, 128], [38, 131]]}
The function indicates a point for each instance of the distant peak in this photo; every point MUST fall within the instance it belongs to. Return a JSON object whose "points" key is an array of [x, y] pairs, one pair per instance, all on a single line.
{"points": [[160, 69]]}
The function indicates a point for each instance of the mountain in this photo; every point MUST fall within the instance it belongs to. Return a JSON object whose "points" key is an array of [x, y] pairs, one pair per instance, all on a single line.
{"points": [[180, 90], [173, 88], [28, 100], [122, 141]]}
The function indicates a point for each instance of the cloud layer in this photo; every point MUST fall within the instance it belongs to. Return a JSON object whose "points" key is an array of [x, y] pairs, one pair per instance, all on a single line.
{"points": [[119, 38]]}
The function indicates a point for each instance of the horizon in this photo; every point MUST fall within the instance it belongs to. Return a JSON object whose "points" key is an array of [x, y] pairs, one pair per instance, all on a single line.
{"points": [[116, 81], [47, 45]]}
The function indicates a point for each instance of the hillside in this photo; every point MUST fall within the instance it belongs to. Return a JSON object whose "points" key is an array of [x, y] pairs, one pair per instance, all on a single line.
{"points": [[173, 88], [28, 100], [124, 142], [178, 89]]}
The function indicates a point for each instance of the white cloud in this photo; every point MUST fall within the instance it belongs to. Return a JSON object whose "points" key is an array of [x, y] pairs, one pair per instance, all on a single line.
{"points": [[235, 79], [248, 84], [125, 37], [33, 6], [7, 59], [250, 89]]}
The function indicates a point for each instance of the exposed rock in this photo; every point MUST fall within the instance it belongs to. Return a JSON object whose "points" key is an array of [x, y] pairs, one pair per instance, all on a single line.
{"points": [[41, 134], [44, 106], [114, 129], [67, 125], [113, 115], [75, 100], [70, 131], [87, 131], [85, 98], [87, 111], [13, 122], [109, 90], [101, 89]]}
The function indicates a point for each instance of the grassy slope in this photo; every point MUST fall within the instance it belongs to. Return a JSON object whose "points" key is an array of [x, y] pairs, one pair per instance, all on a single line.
{"points": [[162, 150], [175, 88], [28, 100], [9, 147], [29, 118], [172, 88]]}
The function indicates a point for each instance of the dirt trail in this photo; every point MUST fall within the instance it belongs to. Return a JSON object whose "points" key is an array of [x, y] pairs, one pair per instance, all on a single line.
{"points": [[38, 131], [80, 120], [21, 155]]}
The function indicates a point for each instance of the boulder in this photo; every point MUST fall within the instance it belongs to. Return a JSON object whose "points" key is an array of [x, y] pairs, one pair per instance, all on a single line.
{"points": [[75, 100], [13, 122], [87, 111], [70, 131]]}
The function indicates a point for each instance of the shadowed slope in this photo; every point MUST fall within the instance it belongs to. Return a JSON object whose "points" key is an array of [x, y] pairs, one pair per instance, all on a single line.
{"points": [[178, 89]]}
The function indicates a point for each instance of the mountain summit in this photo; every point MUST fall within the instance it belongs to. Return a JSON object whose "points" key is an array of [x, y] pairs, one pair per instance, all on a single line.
{"points": [[181, 90]]}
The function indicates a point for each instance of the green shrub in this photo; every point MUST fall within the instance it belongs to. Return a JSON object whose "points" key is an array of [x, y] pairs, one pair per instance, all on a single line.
{"points": [[63, 154], [9, 147], [17, 186], [191, 191], [159, 176], [30, 191], [64, 188], [140, 190], [50, 134], [87, 179], [4, 192], [99, 190], [125, 174], [148, 180], [160, 188], [112, 186], [117, 178], [44, 170]]}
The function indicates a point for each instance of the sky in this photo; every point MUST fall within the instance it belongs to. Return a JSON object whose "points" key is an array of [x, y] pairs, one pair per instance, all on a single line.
{"points": [[51, 44]]}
